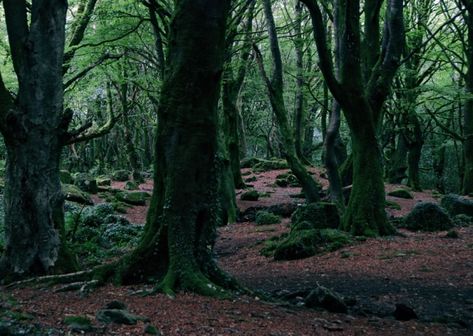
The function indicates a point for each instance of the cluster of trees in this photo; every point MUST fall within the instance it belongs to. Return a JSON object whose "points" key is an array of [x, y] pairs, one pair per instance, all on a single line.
{"points": [[374, 81]]}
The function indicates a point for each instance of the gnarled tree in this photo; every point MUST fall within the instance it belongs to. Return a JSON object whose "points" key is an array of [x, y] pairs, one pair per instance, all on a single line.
{"points": [[366, 72]]}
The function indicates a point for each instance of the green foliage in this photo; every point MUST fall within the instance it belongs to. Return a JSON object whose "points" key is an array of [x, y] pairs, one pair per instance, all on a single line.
{"points": [[319, 215], [266, 165]]}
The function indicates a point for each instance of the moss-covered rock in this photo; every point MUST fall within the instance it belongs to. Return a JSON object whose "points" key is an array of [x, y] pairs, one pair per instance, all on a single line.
{"points": [[324, 298], [133, 197], [462, 220], [66, 177], [249, 162], [321, 215], [427, 217], [79, 324], [457, 205], [266, 218], [86, 183], [287, 180], [392, 205], [104, 181], [251, 179], [401, 193], [250, 195], [267, 165], [303, 243], [74, 194], [131, 185], [121, 175]]}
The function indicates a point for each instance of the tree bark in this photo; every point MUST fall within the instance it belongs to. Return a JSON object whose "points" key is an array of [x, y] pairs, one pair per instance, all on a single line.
{"points": [[33, 128], [184, 211]]}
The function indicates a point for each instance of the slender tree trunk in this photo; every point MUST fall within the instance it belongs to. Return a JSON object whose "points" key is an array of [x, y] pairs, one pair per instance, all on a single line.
{"points": [[398, 166], [468, 108], [184, 210], [331, 160]]}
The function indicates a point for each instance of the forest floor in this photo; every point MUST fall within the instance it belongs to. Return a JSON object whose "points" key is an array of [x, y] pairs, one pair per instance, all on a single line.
{"points": [[426, 271]]}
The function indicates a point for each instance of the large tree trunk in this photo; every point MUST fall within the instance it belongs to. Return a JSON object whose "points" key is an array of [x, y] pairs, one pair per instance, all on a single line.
{"points": [[365, 214], [33, 131], [184, 211]]}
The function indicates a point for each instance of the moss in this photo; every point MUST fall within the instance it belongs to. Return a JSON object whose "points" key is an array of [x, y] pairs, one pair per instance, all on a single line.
{"points": [[462, 220], [267, 218], [267, 165], [392, 205], [249, 162], [133, 197], [452, 234], [151, 330], [305, 243], [130, 185], [104, 181], [321, 215], [401, 193], [86, 183], [287, 180], [74, 194], [121, 175], [251, 195], [66, 177], [78, 320], [251, 179], [456, 205], [120, 207], [427, 217]]}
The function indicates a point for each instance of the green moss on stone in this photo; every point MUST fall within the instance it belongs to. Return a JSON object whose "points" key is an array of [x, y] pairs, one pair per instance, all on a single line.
{"points": [[267, 218]]}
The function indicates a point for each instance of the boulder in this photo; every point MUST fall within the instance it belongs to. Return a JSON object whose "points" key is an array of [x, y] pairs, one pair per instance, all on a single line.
{"points": [[130, 185], [404, 312], [86, 183], [427, 216], [79, 324], [104, 181], [133, 197], [121, 175], [267, 218], [401, 193], [287, 180], [250, 195], [322, 215], [74, 194], [457, 205], [118, 316], [324, 298]]}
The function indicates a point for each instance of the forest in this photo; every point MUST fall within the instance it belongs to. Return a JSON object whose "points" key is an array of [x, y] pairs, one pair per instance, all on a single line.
{"points": [[236, 167]]}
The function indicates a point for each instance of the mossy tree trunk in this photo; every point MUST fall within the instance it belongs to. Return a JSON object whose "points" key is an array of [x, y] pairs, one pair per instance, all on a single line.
{"points": [[468, 108], [181, 225], [365, 81], [232, 84], [275, 90], [33, 127]]}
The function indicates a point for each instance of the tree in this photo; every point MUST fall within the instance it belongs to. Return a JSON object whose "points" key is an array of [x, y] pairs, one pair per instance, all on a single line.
{"points": [[184, 211], [366, 72], [33, 126], [275, 91]]}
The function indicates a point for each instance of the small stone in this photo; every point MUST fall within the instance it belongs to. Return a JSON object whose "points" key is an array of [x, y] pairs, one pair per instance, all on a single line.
{"points": [[404, 312], [152, 330], [322, 297]]}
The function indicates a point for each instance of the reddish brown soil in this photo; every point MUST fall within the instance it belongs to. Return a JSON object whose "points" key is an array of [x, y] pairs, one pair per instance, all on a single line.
{"points": [[427, 271]]}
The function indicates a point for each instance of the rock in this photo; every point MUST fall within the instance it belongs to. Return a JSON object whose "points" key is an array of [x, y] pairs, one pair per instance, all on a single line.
{"points": [[251, 179], [462, 220], [151, 330], [452, 234], [116, 305], [251, 195], [322, 297], [285, 180], [118, 316], [249, 162], [404, 312], [104, 181], [457, 205], [133, 197], [130, 185], [303, 243], [121, 175], [86, 183], [266, 218], [392, 205], [267, 165], [79, 324], [321, 215], [66, 177], [283, 209], [427, 217], [401, 193], [74, 194]]}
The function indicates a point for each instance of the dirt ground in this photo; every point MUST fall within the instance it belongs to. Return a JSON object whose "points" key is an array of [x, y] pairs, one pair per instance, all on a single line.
{"points": [[426, 271]]}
